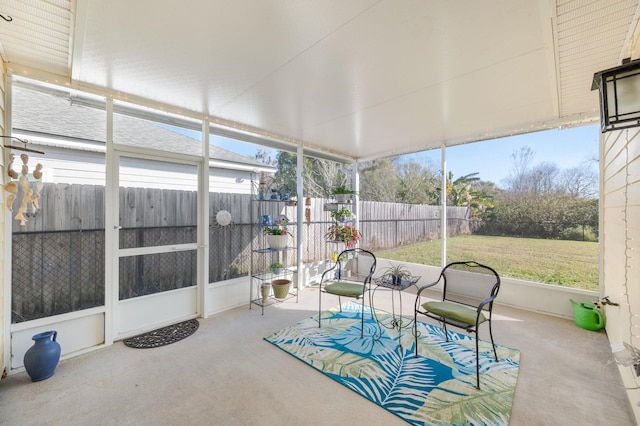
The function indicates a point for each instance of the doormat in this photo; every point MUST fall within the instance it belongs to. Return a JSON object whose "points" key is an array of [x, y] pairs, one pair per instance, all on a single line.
{"points": [[163, 336]]}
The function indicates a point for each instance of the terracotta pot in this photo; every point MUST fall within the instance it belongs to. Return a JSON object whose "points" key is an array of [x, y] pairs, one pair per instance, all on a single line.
{"points": [[280, 288]]}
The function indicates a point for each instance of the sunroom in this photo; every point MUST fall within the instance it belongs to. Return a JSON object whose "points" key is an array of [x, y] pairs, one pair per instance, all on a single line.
{"points": [[347, 81]]}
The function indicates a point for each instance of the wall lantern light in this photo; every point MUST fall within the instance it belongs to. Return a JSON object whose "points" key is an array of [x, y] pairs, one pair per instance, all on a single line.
{"points": [[619, 90]]}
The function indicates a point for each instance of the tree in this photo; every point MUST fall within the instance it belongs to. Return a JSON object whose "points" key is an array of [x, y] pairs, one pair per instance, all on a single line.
{"points": [[265, 156], [521, 160], [542, 201], [418, 184], [393, 181], [580, 181], [541, 216], [459, 190], [286, 179], [467, 191], [533, 179], [379, 181], [319, 176], [546, 178]]}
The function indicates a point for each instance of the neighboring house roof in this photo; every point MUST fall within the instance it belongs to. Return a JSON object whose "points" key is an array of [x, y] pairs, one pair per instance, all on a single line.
{"points": [[47, 115]]}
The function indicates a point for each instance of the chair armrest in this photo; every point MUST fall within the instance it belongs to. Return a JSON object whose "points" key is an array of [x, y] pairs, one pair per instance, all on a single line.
{"points": [[426, 286], [486, 301], [326, 271], [368, 278]]}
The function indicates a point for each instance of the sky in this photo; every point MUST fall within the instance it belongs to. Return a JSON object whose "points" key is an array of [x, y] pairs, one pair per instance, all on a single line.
{"points": [[492, 160]]}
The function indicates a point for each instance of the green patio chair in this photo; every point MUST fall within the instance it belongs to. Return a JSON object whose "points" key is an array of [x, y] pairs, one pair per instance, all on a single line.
{"points": [[468, 292], [362, 265]]}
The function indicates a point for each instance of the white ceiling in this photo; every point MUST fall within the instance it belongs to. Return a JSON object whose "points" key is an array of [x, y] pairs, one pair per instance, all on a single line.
{"points": [[357, 78]]}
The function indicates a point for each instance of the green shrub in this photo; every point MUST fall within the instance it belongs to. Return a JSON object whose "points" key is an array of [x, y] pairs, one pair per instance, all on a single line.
{"points": [[579, 233]]}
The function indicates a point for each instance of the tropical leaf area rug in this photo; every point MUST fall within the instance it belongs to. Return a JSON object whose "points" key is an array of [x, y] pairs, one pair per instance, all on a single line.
{"points": [[437, 388]]}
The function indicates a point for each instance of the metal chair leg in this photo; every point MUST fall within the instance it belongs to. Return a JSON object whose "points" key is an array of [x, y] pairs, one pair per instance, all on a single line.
{"points": [[320, 305], [415, 331], [493, 344], [477, 364], [362, 320]]}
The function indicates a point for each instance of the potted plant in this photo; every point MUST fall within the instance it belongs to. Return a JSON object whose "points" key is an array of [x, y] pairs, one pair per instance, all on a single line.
{"points": [[342, 193], [276, 237], [396, 273], [345, 233], [341, 215], [276, 268]]}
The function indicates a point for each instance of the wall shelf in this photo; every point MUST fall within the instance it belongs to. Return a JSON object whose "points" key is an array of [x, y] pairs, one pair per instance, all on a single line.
{"points": [[270, 213]]}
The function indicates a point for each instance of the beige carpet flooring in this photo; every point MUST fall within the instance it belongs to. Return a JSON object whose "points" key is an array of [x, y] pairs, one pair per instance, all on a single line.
{"points": [[226, 374]]}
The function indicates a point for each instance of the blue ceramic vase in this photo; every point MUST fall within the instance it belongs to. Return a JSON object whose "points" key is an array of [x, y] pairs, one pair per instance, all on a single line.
{"points": [[41, 359]]}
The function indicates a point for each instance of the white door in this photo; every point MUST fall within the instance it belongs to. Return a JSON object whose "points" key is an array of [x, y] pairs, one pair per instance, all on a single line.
{"points": [[157, 244]]}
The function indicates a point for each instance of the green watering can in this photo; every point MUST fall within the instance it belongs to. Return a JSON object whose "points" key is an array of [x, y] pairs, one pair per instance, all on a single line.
{"points": [[588, 316]]}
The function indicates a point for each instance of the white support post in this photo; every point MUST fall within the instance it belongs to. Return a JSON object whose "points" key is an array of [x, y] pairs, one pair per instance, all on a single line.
{"points": [[355, 185], [111, 231], [443, 205], [300, 215], [8, 236], [203, 224]]}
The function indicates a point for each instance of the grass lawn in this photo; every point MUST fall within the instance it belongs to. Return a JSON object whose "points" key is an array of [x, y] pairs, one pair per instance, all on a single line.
{"points": [[566, 263]]}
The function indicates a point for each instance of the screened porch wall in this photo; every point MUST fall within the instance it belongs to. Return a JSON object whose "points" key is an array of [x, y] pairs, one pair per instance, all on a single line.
{"points": [[58, 256]]}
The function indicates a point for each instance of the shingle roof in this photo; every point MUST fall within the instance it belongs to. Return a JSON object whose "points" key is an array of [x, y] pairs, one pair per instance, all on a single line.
{"points": [[45, 114]]}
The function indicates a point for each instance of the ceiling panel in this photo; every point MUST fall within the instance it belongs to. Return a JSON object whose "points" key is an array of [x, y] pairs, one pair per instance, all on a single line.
{"points": [[401, 77], [39, 34], [205, 53], [359, 78]]}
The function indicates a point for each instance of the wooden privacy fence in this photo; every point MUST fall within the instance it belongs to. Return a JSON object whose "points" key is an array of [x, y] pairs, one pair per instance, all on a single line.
{"points": [[58, 257], [383, 226], [81, 207]]}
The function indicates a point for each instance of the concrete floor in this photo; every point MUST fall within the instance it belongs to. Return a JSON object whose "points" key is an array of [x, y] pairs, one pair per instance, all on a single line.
{"points": [[226, 374]]}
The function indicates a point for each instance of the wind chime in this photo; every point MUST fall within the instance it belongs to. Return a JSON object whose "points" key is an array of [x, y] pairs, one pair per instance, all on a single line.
{"points": [[20, 181], [307, 210]]}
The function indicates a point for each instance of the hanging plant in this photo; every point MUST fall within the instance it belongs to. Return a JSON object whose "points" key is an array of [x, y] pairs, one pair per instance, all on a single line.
{"points": [[341, 215], [345, 233], [342, 190]]}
